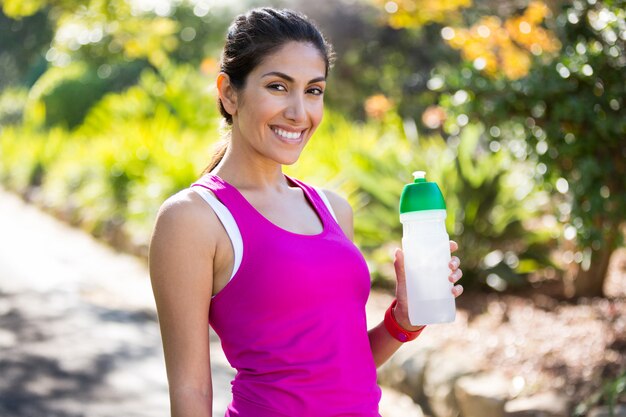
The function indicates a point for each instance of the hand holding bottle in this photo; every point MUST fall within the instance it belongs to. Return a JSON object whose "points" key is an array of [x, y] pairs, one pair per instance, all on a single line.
{"points": [[401, 312]]}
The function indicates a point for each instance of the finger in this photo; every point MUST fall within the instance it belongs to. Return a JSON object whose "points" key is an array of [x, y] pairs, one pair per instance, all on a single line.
{"points": [[398, 265], [453, 246], [455, 276], [454, 264], [457, 290]]}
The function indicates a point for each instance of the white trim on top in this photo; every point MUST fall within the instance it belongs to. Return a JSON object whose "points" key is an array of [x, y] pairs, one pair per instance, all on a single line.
{"points": [[229, 223]]}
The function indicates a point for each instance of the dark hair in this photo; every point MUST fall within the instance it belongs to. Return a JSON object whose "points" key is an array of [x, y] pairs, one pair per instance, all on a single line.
{"points": [[254, 36]]}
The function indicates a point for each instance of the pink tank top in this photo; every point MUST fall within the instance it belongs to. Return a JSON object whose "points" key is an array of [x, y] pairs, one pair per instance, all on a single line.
{"points": [[292, 318]]}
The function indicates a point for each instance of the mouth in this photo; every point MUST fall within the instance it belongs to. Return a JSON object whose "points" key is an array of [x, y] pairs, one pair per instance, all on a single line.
{"points": [[289, 136]]}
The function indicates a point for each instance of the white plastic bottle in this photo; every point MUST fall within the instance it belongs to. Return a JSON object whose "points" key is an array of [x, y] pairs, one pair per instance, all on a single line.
{"points": [[426, 247]]}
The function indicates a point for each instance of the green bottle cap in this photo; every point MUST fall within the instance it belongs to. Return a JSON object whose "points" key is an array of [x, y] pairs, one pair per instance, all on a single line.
{"points": [[421, 195]]}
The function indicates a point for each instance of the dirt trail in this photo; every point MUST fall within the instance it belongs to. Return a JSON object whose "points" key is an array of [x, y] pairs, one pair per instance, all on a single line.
{"points": [[78, 330]]}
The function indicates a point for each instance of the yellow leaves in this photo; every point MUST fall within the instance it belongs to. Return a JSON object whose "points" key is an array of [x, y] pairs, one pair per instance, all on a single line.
{"points": [[525, 30], [415, 13], [152, 39], [515, 62], [536, 12], [17, 9], [479, 42], [497, 47], [493, 46], [138, 35]]}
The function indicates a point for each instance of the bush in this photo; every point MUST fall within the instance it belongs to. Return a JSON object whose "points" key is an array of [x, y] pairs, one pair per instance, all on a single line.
{"points": [[136, 148], [12, 103]]}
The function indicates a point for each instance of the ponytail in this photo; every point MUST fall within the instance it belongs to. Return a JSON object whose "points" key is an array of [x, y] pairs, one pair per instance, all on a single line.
{"points": [[220, 151]]}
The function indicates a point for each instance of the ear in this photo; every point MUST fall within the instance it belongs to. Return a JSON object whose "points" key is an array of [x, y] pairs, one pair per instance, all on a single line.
{"points": [[227, 93]]}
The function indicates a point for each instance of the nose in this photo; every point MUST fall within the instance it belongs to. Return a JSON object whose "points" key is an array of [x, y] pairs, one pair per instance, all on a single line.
{"points": [[296, 108]]}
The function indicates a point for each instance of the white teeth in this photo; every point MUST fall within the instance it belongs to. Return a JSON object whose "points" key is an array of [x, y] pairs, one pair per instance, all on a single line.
{"points": [[285, 134]]}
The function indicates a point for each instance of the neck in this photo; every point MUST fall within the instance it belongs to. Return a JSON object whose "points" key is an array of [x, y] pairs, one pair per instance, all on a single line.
{"points": [[246, 169]]}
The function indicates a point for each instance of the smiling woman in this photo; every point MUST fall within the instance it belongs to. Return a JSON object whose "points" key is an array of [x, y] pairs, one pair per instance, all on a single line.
{"points": [[269, 262], [281, 105], [253, 39]]}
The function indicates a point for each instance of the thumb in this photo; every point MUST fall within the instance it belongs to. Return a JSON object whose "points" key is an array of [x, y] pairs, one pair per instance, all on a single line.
{"points": [[400, 277]]}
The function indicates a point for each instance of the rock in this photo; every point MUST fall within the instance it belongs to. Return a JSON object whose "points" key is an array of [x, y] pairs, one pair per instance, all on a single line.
{"points": [[442, 371], [396, 404], [547, 404], [404, 371], [482, 395], [618, 411]]}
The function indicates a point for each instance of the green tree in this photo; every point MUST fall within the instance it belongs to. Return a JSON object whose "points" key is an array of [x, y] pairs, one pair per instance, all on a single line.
{"points": [[70, 55], [22, 49], [571, 112]]}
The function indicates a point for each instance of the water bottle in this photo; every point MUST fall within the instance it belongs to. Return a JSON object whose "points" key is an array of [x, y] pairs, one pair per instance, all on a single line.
{"points": [[426, 247]]}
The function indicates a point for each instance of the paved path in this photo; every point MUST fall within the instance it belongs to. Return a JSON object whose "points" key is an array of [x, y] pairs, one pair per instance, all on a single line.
{"points": [[78, 329]]}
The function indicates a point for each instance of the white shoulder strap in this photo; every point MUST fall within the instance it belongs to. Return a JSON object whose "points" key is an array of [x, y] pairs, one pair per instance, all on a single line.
{"points": [[326, 202], [229, 223]]}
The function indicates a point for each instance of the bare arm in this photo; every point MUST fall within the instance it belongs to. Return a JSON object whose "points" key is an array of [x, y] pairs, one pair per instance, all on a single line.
{"points": [[181, 272], [382, 343]]}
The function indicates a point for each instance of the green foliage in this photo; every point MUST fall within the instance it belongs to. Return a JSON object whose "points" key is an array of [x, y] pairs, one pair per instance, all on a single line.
{"points": [[495, 199], [567, 117], [67, 94], [200, 36], [121, 118], [12, 103], [132, 151], [22, 48], [136, 148]]}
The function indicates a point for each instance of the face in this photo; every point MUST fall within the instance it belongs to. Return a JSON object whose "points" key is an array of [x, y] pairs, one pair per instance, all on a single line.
{"points": [[281, 103]]}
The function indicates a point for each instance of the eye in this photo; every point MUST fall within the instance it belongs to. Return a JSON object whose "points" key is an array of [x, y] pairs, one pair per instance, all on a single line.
{"points": [[316, 91], [277, 87]]}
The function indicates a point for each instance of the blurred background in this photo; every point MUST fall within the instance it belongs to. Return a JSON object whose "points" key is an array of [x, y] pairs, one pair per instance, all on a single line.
{"points": [[515, 108]]}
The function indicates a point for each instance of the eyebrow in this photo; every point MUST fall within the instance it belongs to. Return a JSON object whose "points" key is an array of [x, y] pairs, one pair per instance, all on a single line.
{"points": [[290, 79]]}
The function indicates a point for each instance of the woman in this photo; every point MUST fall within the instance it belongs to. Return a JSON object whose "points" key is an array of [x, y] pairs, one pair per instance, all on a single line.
{"points": [[270, 260]]}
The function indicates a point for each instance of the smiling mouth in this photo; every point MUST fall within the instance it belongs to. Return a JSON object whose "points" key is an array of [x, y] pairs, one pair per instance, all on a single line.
{"points": [[286, 135]]}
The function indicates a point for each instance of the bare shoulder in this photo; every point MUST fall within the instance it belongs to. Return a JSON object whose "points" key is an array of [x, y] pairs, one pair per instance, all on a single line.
{"points": [[185, 226], [339, 204], [343, 211], [183, 212], [181, 256], [183, 203]]}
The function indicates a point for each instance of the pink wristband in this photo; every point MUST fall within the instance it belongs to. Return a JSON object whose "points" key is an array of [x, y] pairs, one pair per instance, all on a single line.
{"points": [[396, 330]]}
